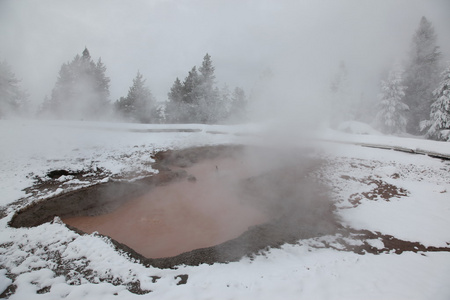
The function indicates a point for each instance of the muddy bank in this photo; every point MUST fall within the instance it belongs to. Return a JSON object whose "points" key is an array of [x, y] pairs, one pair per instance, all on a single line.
{"points": [[95, 200], [286, 204]]}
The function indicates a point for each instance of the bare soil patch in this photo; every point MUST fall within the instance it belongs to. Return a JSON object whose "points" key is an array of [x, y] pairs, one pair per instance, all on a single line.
{"points": [[381, 190], [361, 242]]}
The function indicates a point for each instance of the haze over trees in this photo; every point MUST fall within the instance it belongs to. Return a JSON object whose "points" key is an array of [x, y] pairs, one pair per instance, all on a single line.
{"points": [[139, 105], [13, 99], [238, 106], [198, 100], [81, 90]]}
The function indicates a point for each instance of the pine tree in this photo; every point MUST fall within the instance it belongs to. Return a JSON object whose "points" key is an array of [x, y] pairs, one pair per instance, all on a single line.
{"points": [[81, 90], [209, 110], [189, 110], [439, 123], [196, 99], [207, 77], [13, 100], [191, 88], [176, 91], [422, 74], [391, 117], [174, 107], [184, 104], [139, 105], [211, 107], [101, 84]]}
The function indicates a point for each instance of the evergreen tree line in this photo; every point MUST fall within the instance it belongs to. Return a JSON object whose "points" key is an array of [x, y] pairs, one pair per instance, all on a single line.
{"points": [[198, 100], [82, 92], [414, 97]]}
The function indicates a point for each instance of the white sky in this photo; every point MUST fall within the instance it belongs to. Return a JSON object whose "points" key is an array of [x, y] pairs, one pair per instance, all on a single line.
{"points": [[298, 39]]}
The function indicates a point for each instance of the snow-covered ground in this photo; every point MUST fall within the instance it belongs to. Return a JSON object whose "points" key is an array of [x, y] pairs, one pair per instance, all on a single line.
{"points": [[35, 260]]}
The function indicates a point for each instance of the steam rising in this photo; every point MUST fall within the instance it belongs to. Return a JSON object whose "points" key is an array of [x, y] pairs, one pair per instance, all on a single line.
{"points": [[229, 191]]}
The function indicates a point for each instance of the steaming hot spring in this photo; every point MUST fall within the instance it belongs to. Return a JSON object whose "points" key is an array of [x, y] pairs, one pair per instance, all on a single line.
{"points": [[205, 205]]}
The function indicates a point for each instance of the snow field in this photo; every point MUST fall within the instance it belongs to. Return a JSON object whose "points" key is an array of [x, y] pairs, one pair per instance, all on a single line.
{"points": [[35, 259]]}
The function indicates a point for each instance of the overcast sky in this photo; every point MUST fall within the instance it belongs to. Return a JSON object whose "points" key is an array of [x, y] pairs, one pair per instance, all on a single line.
{"points": [[297, 39]]}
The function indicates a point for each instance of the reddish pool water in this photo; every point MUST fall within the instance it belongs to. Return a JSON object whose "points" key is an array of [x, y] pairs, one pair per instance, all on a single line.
{"points": [[183, 215]]}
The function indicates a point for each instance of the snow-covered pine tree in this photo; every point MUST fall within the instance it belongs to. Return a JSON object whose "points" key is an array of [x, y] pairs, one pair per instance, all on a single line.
{"points": [[174, 106], [421, 74], [391, 116], [439, 123], [196, 99], [139, 105], [13, 99]]}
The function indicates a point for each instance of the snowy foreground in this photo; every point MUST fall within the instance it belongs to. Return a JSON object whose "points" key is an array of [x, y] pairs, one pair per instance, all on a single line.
{"points": [[33, 259]]}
